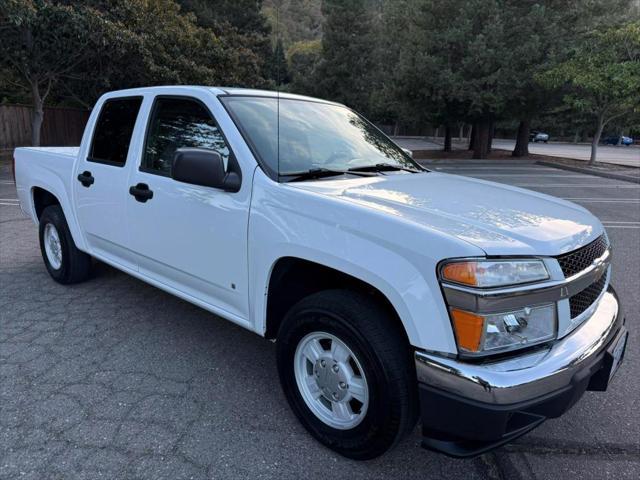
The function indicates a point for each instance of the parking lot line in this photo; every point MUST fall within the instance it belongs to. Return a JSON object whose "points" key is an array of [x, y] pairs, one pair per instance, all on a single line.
{"points": [[629, 202], [601, 199], [577, 185], [628, 227], [537, 175]]}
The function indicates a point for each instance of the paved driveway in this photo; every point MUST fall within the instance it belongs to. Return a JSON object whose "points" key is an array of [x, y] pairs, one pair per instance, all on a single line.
{"points": [[115, 379]]}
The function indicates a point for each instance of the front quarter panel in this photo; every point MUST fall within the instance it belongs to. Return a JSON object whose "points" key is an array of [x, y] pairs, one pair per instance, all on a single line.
{"points": [[393, 255]]}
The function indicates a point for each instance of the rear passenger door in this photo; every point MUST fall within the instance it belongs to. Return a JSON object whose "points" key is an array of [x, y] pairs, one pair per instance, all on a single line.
{"points": [[190, 238], [101, 180]]}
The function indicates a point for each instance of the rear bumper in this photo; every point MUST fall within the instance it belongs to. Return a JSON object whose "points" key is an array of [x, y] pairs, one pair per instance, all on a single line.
{"points": [[468, 408]]}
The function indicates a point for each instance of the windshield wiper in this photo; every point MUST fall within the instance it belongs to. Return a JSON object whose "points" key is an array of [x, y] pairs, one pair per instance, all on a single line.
{"points": [[383, 167], [313, 173]]}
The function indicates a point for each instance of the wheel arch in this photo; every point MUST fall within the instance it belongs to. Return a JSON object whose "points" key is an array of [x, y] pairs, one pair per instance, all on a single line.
{"points": [[42, 197], [293, 278]]}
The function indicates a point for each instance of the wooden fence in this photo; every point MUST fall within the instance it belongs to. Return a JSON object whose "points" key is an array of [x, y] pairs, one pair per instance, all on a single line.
{"points": [[62, 126]]}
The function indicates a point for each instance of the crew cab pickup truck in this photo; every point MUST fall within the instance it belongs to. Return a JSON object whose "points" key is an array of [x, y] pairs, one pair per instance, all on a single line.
{"points": [[393, 293]]}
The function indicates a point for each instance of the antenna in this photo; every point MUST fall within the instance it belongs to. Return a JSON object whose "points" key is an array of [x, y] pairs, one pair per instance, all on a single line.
{"points": [[278, 67]]}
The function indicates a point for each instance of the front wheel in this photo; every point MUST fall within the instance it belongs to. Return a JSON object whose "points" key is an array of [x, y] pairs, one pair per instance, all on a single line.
{"points": [[347, 372]]}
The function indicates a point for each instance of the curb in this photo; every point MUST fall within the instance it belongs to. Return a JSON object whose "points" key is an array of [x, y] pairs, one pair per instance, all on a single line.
{"points": [[614, 176]]}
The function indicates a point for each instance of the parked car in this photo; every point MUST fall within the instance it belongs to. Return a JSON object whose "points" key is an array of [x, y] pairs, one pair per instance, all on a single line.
{"points": [[393, 292], [535, 137], [617, 140]]}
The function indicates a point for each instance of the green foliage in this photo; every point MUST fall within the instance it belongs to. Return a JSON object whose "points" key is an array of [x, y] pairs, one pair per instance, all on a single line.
{"points": [[602, 74], [295, 20], [348, 44], [84, 49], [43, 41], [245, 34], [303, 60], [279, 68], [601, 77]]}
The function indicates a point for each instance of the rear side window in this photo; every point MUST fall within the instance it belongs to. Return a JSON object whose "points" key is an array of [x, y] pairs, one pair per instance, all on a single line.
{"points": [[177, 123], [112, 135]]}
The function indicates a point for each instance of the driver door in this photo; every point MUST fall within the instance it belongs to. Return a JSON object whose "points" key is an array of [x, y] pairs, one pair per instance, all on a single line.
{"points": [[190, 238]]}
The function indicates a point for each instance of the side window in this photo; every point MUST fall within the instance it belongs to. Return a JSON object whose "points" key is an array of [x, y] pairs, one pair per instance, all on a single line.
{"points": [[112, 134], [177, 123]]}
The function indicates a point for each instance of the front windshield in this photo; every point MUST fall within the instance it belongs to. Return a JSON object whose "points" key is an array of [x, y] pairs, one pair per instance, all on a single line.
{"points": [[313, 135]]}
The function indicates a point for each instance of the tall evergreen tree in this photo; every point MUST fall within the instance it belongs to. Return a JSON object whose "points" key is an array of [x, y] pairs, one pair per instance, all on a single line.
{"points": [[344, 73]]}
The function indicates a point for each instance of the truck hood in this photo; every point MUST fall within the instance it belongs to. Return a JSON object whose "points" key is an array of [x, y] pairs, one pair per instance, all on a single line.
{"points": [[499, 219]]}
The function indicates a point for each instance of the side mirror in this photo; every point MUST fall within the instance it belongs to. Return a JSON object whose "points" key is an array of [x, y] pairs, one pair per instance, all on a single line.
{"points": [[199, 166], [408, 152]]}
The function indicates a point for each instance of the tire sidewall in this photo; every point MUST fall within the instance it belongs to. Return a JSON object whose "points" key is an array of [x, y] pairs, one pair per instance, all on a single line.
{"points": [[380, 405]]}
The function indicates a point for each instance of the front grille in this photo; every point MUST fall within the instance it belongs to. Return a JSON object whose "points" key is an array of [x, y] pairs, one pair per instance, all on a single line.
{"points": [[576, 261], [581, 301]]}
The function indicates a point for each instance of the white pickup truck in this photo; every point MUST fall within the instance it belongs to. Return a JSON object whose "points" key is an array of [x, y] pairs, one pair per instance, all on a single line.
{"points": [[393, 292]]}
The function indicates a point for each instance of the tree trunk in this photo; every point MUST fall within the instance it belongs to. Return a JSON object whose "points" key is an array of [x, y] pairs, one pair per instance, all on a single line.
{"points": [[447, 138], [576, 137], [596, 140], [437, 134], [472, 135], [38, 114], [522, 139], [492, 131], [461, 132], [481, 140]]}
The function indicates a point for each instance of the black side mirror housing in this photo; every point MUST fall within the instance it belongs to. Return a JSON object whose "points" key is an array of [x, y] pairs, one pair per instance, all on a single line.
{"points": [[200, 166]]}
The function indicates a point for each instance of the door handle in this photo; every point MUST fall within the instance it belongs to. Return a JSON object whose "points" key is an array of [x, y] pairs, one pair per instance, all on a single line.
{"points": [[86, 179], [141, 192]]}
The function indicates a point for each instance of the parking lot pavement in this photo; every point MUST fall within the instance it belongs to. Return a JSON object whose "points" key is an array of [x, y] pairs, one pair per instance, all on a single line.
{"points": [[620, 155], [115, 379]]}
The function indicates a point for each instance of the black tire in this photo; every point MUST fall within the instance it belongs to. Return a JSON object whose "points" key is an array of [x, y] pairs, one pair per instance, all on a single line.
{"points": [[380, 345], [76, 265]]}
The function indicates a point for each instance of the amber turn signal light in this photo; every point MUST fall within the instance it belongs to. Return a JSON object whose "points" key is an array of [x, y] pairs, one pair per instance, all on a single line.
{"points": [[468, 329], [461, 272]]}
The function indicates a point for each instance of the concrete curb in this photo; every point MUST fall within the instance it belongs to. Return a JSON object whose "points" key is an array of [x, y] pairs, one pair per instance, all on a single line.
{"points": [[588, 171]]}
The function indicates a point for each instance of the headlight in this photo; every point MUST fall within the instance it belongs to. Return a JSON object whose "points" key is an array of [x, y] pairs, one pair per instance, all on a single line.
{"points": [[494, 273], [498, 332]]}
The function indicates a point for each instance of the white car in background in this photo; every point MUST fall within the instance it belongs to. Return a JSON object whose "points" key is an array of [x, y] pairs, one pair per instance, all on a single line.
{"points": [[536, 137]]}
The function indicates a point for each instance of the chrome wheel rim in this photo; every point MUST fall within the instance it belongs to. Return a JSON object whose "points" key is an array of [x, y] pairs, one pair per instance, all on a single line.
{"points": [[331, 380], [52, 246]]}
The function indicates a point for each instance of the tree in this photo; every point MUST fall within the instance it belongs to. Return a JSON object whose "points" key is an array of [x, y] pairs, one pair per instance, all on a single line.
{"points": [[303, 60], [450, 62], [542, 33], [244, 29], [66, 51], [344, 72], [602, 77], [295, 20], [42, 42], [278, 62]]}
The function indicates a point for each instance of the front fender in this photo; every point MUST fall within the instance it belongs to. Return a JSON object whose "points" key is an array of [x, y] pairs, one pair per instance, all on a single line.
{"points": [[288, 222]]}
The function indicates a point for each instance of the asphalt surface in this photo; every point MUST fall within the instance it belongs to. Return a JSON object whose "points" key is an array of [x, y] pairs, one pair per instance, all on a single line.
{"points": [[115, 379], [620, 155]]}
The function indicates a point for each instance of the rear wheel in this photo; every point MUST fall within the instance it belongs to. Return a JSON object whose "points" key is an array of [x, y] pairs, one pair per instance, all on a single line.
{"points": [[346, 370], [65, 263]]}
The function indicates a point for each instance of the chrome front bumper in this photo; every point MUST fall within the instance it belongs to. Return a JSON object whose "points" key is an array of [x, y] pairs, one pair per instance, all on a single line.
{"points": [[529, 376]]}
